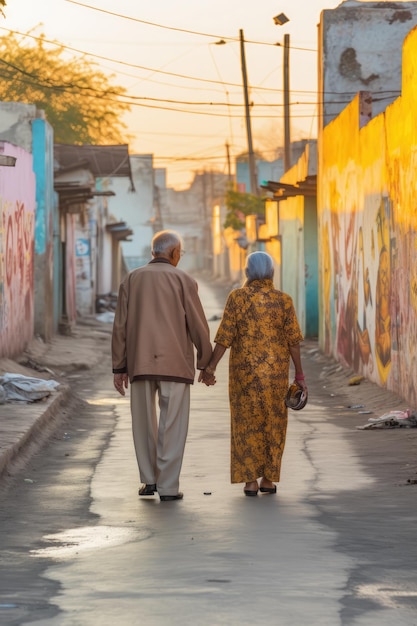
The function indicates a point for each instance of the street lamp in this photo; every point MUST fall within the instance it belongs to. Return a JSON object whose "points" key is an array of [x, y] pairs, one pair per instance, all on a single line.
{"points": [[280, 20]]}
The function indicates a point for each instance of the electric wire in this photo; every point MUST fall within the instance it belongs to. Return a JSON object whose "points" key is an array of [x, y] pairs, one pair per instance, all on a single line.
{"points": [[254, 88], [181, 30]]}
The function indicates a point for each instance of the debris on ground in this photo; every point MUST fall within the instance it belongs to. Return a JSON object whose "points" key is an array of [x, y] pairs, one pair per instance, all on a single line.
{"points": [[17, 387], [34, 365], [107, 317], [393, 419], [355, 380], [106, 302]]}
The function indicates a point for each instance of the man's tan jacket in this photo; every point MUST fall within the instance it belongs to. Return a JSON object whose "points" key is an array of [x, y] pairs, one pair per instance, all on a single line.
{"points": [[159, 319]]}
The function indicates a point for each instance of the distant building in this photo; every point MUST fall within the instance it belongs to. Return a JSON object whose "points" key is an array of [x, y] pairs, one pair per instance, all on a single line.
{"points": [[265, 170]]}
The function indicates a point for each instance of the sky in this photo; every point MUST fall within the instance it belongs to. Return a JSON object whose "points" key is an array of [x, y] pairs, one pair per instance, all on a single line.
{"points": [[167, 53]]}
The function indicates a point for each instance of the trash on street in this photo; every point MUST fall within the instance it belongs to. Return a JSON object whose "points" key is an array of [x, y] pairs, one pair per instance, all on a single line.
{"points": [[393, 419], [17, 387]]}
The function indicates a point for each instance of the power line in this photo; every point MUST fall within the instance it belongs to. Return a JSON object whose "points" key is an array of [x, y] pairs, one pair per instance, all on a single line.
{"points": [[134, 100], [180, 30], [105, 96], [154, 70], [125, 63], [93, 93]]}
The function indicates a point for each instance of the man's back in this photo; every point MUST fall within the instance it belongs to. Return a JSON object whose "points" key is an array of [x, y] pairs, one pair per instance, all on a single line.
{"points": [[162, 316]]}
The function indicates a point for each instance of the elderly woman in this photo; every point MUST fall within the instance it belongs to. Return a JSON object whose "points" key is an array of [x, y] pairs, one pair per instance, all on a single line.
{"points": [[260, 326]]}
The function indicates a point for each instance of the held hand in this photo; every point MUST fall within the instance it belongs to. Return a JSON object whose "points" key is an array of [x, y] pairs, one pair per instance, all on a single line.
{"points": [[121, 382], [206, 378]]}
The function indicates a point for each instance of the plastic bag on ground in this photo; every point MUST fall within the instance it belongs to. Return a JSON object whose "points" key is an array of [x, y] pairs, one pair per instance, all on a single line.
{"points": [[25, 388], [393, 419]]}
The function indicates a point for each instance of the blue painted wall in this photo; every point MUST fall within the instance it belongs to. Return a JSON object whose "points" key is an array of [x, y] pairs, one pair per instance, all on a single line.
{"points": [[43, 167], [311, 267]]}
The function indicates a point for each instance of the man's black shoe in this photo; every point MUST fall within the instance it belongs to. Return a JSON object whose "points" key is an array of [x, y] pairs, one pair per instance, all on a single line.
{"points": [[179, 496], [147, 490]]}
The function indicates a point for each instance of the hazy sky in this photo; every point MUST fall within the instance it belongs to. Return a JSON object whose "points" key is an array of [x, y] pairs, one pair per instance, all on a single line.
{"points": [[193, 98]]}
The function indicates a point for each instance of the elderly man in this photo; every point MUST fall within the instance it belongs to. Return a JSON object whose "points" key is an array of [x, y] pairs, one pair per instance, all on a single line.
{"points": [[159, 319]]}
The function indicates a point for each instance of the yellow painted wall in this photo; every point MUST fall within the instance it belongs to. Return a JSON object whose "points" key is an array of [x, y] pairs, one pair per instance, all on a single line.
{"points": [[367, 238]]}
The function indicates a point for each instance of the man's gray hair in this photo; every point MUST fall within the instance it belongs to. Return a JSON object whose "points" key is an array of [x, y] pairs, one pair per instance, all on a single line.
{"points": [[259, 265], [165, 242]]}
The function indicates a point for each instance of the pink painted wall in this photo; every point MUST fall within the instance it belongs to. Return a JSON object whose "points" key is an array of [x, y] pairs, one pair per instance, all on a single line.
{"points": [[17, 223]]}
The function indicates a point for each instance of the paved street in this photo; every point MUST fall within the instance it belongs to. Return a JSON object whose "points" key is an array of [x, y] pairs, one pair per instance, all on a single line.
{"points": [[336, 545]]}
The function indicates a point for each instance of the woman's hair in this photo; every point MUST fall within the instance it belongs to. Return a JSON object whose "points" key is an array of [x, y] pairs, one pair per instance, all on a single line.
{"points": [[165, 242], [258, 265]]}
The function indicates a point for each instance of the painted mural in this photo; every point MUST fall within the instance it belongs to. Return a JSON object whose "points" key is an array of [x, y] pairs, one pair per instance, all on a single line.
{"points": [[367, 232], [17, 223], [356, 262]]}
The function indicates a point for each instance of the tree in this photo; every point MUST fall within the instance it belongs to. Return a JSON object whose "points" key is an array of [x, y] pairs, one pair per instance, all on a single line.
{"points": [[239, 205], [2, 4], [78, 100]]}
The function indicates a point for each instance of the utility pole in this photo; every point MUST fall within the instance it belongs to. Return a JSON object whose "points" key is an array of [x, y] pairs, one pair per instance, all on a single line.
{"points": [[287, 135], [229, 168], [251, 156]]}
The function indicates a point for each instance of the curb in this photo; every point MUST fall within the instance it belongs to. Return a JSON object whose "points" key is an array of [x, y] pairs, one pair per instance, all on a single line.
{"points": [[35, 433]]}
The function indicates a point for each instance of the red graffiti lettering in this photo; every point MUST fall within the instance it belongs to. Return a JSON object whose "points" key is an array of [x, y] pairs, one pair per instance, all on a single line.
{"points": [[9, 251]]}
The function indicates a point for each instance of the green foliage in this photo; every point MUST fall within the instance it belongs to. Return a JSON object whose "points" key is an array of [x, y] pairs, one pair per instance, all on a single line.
{"points": [[239, 205], [77, 98]]}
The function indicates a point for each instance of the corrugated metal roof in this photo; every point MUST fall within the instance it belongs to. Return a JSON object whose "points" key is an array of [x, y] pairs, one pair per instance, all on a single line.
{"points": [[281, 191], [102, 161]]}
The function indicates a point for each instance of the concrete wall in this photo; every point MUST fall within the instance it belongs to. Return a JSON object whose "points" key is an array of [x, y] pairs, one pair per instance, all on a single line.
{"points": [[78, 249], [70, 269], [190, 213], [97, 254], [136, 208], [17, 229], [360, 49], [16, 123], [84, 256], [368, 238], [221, 269], [107, 280]]}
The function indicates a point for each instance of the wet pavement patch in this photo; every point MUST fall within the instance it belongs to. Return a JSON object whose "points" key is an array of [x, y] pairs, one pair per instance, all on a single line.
{"points": [[71, 542]]}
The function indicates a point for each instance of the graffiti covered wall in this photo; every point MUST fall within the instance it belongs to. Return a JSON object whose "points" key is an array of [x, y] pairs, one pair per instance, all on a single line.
{"points": [[17, 219], [368, 238]]}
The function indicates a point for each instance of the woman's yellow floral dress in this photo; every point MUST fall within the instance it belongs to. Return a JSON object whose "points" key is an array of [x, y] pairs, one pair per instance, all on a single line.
{"points": [[259, 324]]}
